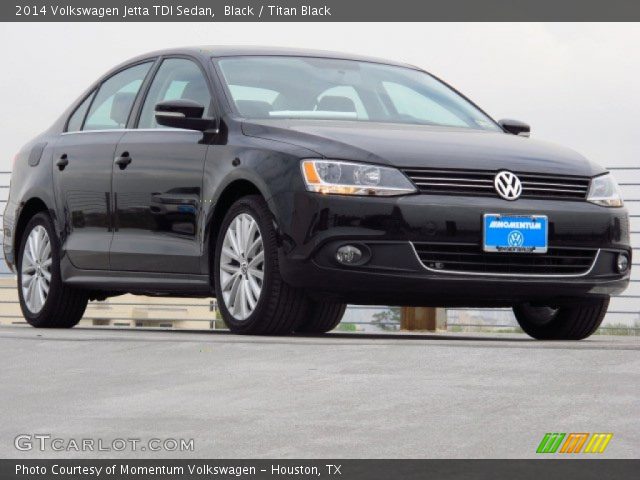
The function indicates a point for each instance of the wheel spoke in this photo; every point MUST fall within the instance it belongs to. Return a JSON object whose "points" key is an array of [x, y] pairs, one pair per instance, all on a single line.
{"points": [[256, 243], [248, 293], [42, 241], [254, 272], [31, 295], [231, 236], [236, 289], [251, 233], [255, 288], [46, 250], [243, 299], [228, 268], [238, 231], [227, 282], [28, 267], [41, 292], [37, 294], [31, 254], [257, 260], [26, 257], [36, 243], [231, 254], [46, 286]]}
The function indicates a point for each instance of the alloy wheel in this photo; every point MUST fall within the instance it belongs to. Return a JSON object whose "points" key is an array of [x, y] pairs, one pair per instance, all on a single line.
{"points": [[242, 266], [36, 269]]}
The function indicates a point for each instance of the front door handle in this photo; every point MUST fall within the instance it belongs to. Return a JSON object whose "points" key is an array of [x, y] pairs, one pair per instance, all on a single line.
{"points": [[62, 162], [123, 160]]}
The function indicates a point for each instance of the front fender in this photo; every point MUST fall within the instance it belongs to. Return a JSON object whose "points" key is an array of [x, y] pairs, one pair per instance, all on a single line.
{"points": [[269, 166]]}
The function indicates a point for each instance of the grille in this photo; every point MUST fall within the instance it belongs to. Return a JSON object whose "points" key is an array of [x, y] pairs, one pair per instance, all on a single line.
{"points": [[470, 258], [480, 182]]}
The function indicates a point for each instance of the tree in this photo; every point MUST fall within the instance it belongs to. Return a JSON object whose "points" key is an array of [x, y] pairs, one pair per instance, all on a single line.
{"points": [[387, 319]]}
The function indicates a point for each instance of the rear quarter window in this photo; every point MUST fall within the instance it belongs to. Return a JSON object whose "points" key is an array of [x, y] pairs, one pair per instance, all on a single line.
{"points": [[77, 117]]}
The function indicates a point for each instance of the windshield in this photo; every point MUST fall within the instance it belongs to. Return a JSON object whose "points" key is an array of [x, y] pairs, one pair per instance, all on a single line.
{"points": [[322, 88]]}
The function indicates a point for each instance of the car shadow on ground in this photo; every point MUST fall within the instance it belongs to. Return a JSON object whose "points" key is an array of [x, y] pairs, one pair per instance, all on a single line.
{"points": [[423, 336]]}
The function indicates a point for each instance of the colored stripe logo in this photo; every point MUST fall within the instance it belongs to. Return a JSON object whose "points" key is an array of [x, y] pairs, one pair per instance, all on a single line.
{"points": [[574, 443]]}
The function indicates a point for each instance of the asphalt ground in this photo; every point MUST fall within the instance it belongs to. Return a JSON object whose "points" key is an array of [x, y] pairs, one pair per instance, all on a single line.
{"points": [[333, 396]]}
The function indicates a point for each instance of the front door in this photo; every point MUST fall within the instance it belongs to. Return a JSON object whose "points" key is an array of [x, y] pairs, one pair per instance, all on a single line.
{"points": [[157, 181]]}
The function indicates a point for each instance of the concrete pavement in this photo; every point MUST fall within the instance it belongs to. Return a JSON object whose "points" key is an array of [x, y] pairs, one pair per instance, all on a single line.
{"points": [[340, 395]]}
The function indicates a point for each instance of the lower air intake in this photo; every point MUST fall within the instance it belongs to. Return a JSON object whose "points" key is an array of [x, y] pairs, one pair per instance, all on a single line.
{"points": [[461, 257]]}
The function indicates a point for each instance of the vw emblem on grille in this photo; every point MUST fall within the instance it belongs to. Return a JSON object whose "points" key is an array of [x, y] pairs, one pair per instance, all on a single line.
{"points": [[507, 185], [515, 239]]}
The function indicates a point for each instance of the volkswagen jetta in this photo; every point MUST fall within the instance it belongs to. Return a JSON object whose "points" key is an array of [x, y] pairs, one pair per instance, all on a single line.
{"points": [[289, 183]]}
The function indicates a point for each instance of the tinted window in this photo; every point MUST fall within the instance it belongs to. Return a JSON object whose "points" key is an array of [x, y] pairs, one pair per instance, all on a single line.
{"points": [[177, 78], [413, 104], [342, 98], [75, 122], [114, 100]]}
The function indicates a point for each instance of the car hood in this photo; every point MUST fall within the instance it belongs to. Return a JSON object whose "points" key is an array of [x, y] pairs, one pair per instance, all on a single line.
{"points": [[411, 146]]}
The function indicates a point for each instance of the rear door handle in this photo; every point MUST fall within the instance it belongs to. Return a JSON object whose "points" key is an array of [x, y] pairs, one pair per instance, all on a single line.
{"points": [[62, 162], [123, 160]]}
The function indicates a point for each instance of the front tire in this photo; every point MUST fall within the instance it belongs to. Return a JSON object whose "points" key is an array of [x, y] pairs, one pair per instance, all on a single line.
{"points": [[574, 321], [252, 296], [44, 300], [322, 317]]}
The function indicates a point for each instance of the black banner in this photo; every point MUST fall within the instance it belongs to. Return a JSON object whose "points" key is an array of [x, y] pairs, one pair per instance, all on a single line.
{"points": [[317, 10], [548, 469]]}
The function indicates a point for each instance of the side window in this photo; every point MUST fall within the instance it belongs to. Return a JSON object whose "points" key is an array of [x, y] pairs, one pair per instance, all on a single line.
{"points": [[76, 119], [113, 102], [176, 79], [420, 107]]}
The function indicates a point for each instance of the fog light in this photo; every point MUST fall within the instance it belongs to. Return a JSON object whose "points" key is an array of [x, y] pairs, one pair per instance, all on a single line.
{"points": [[623, 262], [348, 255]]}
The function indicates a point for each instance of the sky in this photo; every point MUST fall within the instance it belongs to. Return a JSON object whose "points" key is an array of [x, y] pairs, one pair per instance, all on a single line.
{"points": [[576, 84]]}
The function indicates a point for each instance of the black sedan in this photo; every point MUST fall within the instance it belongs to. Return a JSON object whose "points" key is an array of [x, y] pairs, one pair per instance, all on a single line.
{"points": [[290, 183]]}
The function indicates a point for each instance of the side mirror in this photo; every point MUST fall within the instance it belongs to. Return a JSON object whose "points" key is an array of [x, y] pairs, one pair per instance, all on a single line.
{"points": [[183, 114], [515, 127]]}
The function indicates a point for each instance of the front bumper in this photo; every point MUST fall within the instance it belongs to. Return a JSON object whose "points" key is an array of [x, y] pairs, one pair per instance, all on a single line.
{"points": [[313, 226]]}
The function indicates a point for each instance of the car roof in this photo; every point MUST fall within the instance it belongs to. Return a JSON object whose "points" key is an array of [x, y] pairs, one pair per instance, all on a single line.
{"points": [[231, 51]]}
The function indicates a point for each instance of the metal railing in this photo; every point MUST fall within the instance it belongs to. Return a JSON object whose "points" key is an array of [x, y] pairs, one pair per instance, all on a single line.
{"points": [[130, 311]]}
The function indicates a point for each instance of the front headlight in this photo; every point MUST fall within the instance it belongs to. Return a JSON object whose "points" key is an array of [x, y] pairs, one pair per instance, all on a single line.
{"points": [[347, 178], [605, 191]]}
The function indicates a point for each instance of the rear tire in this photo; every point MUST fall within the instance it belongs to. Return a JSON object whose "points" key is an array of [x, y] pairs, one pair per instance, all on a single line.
{"points": [[574, 321], [45, 301], [252, 296], [322, 317]]}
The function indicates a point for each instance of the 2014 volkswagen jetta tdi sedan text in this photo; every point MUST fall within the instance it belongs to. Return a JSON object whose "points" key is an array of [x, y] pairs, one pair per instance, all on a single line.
{"points": [[290, 183]]}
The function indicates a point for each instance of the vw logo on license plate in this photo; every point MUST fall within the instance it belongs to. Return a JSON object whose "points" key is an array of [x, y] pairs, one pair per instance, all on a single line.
{"points": [[515, 239]]}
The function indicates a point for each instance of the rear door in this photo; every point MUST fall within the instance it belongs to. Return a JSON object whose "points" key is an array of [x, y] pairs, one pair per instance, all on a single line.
{"points": [[158, 193], [82, 166]]}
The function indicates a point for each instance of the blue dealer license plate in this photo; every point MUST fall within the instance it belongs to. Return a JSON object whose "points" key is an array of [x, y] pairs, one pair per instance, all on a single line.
{"points": [[515, 233]]}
